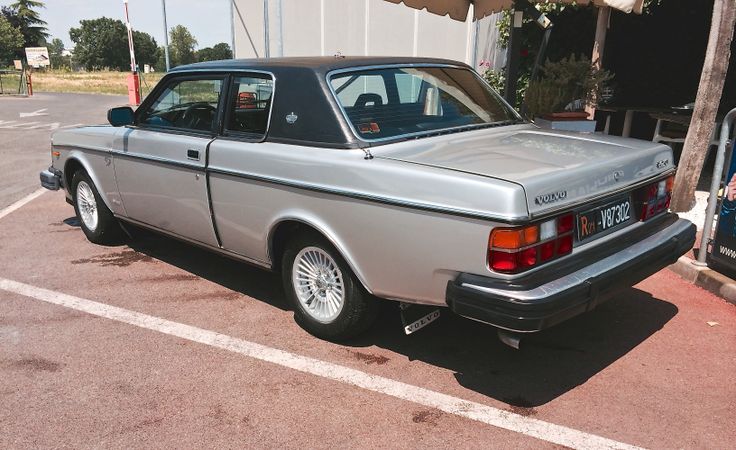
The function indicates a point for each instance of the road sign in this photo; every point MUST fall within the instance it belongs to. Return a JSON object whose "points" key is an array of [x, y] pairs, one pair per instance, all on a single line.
{"points": [[38, 56], [18, 64]]}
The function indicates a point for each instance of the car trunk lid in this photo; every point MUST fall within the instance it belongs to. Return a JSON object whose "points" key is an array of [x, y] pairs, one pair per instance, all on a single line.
{"points": [[556, 169]]}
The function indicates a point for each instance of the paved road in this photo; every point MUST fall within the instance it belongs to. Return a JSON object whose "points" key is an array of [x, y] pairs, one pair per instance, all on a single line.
{"points": [[26, 125], [159, 344]]}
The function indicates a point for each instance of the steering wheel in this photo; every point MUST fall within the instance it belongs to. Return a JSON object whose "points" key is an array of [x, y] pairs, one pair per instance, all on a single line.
{"points": [[198, 114]]}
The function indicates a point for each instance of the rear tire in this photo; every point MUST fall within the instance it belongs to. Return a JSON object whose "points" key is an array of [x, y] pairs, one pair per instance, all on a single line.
{"points": [[328, 300], [96, 220]]}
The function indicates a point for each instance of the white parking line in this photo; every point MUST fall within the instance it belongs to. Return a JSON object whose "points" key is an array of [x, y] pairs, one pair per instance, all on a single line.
{"points": [[17, 205], [535, 428]]}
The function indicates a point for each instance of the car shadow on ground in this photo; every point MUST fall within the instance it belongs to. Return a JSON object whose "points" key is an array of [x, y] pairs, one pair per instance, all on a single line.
{"points": [[229, 273], [549, 363]]}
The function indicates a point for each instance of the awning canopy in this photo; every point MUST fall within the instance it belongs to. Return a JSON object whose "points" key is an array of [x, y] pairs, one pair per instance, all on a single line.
{"points": [[458, 9]]}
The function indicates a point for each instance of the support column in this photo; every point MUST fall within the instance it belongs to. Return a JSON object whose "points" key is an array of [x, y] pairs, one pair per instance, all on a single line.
{"points": [[599, 45]]}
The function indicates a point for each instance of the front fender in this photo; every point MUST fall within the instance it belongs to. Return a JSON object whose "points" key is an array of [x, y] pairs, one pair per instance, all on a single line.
{"points": [[99, 167]]}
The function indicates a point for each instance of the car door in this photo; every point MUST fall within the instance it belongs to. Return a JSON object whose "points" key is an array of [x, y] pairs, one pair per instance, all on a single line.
{"points": [[241, 209], [160, 162]]}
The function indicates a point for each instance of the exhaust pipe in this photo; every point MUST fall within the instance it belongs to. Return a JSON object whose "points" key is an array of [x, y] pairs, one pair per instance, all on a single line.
{"points": [[509, 338]]}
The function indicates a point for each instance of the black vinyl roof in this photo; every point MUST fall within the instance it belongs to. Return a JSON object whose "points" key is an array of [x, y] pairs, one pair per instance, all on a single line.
{"points": [[322, 64]]}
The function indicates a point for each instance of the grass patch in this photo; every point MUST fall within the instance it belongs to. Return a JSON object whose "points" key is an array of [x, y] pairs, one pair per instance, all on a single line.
{"points": [[112, 83]]}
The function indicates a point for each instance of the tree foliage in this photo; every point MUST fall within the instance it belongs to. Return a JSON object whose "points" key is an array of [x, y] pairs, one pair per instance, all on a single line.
{"points": [[56, 48], [23, 15], [568, 84], [102, 43], [181, 46], [11, 39], [219, 51]]}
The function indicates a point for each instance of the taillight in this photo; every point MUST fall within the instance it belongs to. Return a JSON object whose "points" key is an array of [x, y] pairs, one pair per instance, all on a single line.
{"points": [[655, 198], [513, 250]]}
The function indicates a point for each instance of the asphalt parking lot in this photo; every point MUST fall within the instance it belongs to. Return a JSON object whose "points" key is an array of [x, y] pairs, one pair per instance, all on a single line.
{"points": [[155, 343]]}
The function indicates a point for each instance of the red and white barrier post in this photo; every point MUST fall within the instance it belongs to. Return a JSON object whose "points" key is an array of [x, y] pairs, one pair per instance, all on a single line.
{"points": [[134, 86]]}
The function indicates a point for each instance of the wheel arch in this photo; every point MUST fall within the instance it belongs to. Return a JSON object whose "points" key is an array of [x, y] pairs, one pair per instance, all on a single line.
{"points": [[75, 162], [283, 228]]}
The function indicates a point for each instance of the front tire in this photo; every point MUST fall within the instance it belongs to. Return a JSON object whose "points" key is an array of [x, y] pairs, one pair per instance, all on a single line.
{"points": [[96, 220], [328, 300]]}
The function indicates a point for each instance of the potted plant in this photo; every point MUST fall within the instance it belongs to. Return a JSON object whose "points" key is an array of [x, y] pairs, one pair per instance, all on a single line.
{"points": [[559, 97]]}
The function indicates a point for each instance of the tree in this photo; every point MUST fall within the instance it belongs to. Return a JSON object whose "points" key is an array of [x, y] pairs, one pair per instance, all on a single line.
{"points": [[219, 51], [710, 89], [28, 20], [11, 39], [146, 49], [56, 48], [103, 43], [181, 47]]}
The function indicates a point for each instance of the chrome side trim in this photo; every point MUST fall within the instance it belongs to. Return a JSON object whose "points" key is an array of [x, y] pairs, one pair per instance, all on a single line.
{"points": [[104, 150], [596, 269], [156, 159], [222, 251], [392, 201], [330, 74]]}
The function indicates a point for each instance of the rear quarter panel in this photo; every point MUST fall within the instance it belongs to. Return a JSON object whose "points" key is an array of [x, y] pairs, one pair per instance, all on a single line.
{"points": [[398, 252]]}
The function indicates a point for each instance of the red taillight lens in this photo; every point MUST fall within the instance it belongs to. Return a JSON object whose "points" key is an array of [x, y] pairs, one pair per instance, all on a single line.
{"points": [[565, 224], [655, 198], [564, 245], [547, 251], [503, 262], [512, 250], [528, 257]]}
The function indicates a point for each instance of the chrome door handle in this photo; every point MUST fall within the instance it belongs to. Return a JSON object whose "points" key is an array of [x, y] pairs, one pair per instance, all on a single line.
{"points": [[193, 154]]}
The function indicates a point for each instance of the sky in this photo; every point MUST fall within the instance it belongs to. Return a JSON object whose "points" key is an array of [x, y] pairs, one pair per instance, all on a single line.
{"points": [[207, 20]]}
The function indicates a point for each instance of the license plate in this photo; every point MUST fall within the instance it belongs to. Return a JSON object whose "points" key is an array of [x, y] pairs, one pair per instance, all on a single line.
{"points": [[598, 220]]}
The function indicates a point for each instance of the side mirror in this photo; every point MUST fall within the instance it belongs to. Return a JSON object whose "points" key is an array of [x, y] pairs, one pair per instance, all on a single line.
{"points": [[121, 116]]}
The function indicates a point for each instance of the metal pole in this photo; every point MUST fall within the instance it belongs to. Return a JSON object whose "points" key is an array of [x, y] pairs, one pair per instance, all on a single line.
{"points": [[279, 30], [166, 37], [715, 183], [266, 38], [133, 65], [232, 26], [512, 61]]}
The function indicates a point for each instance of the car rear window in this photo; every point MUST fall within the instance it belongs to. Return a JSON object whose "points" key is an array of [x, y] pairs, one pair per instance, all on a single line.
{"points": [[410, 101]]}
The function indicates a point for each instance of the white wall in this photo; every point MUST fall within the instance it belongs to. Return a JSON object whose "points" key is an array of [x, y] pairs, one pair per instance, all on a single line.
{"points": [[358, 27]]}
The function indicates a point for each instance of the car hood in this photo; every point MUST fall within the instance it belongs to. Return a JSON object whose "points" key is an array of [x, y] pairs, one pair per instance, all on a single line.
{"points": [[555, 168]]}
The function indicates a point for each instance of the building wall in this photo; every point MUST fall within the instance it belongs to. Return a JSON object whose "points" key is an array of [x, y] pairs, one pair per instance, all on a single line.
{"points": [[359, 27]]}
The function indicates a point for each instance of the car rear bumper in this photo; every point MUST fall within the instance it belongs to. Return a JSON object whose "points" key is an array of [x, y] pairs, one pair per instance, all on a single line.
{"points": [[51, 179], [534, 304]]}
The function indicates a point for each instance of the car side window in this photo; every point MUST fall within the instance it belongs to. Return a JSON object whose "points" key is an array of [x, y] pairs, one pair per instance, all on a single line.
{"points": [[185, 104], [250, 105]]}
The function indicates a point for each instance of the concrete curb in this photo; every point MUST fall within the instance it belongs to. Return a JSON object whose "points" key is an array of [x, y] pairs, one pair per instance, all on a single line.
{"points": [[706, 278]]}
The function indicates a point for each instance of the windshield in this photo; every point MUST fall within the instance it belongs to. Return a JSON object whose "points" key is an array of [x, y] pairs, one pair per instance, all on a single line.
{"points": [[411, 101]]}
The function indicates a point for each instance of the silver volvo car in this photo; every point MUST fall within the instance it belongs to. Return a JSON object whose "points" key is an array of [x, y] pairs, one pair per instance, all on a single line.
{"points": [[408, 179]]}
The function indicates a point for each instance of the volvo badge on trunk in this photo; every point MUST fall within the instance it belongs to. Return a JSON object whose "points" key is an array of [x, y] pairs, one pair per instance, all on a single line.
{"points": [[552, 197]]}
